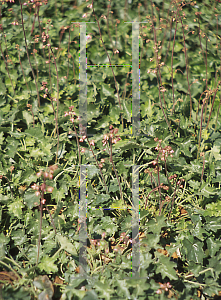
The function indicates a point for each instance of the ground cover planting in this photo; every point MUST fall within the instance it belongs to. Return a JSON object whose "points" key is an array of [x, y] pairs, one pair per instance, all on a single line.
{"points": [[110, 163]]}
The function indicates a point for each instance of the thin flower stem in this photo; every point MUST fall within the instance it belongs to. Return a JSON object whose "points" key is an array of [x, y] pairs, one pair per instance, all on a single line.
{"points": [[172, 64], [8, 266], [155, 189], [98, 165], [52, 221], [8, 184], [26, 46], [111, 160], [216, 90], [22, 69], [203, 168], [158, 175], [187, 69], [6, 65], [174, 194], [108, 59], [201, 122], [79, 151], [56, 118], [39, 237]]}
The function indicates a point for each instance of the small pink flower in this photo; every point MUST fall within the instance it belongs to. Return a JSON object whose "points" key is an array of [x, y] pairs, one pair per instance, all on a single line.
{"points": [[43, 187], [34, 186], [88, 37], [50, 176], [94, 242], [43, 201], [46, 174], [50, 189], [39, 174]]}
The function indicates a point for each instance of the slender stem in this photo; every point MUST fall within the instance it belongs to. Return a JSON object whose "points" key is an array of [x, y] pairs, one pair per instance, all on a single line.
{"points": [[111, 160], [201, 122], [68, 52], [22, 68], [158, 175], [79, 152], [187, 69], [97, 164], [56, 118], [39, 237], [33, 25], [8, 184], [107, 55], [26, 46], [174, 194], [203, 167], [212, 104], [172, 64], [8, 266], [6, 65], [52, 221], [155, 189]]}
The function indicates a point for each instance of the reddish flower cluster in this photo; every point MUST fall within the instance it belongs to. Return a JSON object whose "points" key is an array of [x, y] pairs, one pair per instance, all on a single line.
{"points": [[164, 287], [71, 113], [112, 135], [164, 152], [41, 189]]}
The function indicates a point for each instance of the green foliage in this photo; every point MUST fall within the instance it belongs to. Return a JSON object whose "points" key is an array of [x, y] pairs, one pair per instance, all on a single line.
{"points": [[177, 151]]}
